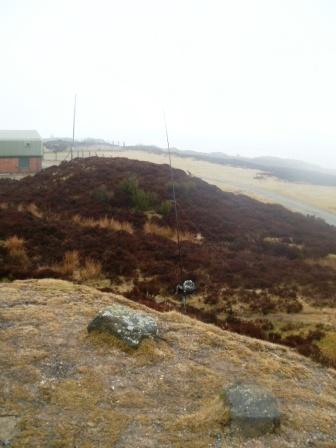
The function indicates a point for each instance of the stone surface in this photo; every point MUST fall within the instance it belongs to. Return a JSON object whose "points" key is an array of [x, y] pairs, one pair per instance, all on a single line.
{"points": [[125, 323], [7, 429], [253, 410]]}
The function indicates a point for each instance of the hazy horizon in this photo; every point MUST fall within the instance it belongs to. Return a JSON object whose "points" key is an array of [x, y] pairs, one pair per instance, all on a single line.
{"points": [[250, 77]]}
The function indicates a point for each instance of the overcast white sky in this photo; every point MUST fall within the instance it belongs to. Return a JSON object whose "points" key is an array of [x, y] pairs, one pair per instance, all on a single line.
{"points": [[254, 77]]}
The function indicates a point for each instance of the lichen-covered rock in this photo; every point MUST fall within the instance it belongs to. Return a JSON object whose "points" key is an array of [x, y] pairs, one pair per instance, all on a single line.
{"points": [[7, 429], [125, 323], [253, 410]]}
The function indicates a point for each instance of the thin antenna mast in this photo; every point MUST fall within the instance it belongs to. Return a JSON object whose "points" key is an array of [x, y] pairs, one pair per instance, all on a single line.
{"points": [[73, 128], [174, 200]]}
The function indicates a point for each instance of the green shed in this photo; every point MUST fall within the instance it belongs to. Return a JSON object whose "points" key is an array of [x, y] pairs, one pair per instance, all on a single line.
{"points": [[20, 152]]}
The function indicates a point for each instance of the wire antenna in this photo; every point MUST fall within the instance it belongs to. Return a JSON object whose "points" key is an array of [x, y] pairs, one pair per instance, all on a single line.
{"points": [[174, 201], [73, 128]]}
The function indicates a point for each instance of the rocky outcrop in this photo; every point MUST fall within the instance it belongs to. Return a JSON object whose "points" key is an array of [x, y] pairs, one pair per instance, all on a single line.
{"points": [[253, 410], [126, 324], [63, 387]]}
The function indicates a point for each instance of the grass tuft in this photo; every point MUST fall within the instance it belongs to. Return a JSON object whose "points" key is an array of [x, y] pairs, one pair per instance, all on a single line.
{"points": [[211, 414], [104, 223], [15, 247], [70, 264], [170, 233], [92, 270], [34, 210]]}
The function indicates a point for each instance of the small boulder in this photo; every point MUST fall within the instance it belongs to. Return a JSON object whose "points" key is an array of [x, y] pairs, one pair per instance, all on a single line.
{"points": [[125, 323], [253, 410]]}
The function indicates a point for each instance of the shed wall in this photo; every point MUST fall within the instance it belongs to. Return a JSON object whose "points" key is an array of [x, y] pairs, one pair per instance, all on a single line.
{"points": [[25, 148], [11, 165]]}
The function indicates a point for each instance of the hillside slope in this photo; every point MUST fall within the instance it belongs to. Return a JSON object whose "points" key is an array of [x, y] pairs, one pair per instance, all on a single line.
{"points": [[301, 197], [111, 222], [61, 387]]}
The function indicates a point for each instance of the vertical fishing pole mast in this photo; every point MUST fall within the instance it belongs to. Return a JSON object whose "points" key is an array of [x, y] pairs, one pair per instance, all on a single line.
{"points": [[73, 128], [175, 203]]}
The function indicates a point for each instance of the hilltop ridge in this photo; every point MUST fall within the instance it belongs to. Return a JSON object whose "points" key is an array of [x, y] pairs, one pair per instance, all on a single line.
{"points": [[290, 170]]}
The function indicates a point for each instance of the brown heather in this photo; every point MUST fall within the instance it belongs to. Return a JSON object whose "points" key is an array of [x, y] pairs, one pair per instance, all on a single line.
{"points": [[259, 268]]}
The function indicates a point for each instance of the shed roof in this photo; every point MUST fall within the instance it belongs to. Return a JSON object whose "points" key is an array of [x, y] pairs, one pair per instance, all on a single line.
{"points": [[31, 135]]}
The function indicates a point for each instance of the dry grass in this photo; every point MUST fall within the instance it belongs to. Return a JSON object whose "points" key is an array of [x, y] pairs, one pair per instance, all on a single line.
{"points": [[31, 208], [15, 247], [14, 244], [104, 223], [170, 233], [211, 413], [73, 268], [166, 393], [92, 270], [328, 345], [149, 351], [34, 210], [70, 263], [329, 261]]}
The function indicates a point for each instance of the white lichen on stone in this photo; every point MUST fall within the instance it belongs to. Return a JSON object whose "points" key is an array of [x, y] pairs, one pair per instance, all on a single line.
{"points": [[129, 325]]}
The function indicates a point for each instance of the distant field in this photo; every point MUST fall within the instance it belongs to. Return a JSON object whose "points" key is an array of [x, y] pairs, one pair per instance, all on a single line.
{"points": [[305, 198]]}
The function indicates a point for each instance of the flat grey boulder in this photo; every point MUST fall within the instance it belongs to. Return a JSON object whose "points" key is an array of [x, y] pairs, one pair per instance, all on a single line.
{"points": [[253, 410], [125, 323]]}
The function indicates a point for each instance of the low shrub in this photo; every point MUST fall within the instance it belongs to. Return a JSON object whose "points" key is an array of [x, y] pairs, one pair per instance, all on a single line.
{"points": [[102, 194], [294, 307], [140, 199], [165, 208]]}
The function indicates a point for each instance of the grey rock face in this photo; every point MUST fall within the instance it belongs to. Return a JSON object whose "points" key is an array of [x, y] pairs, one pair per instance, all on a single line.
{"points": [[7, 429], [125, 323], [253, 410]]}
